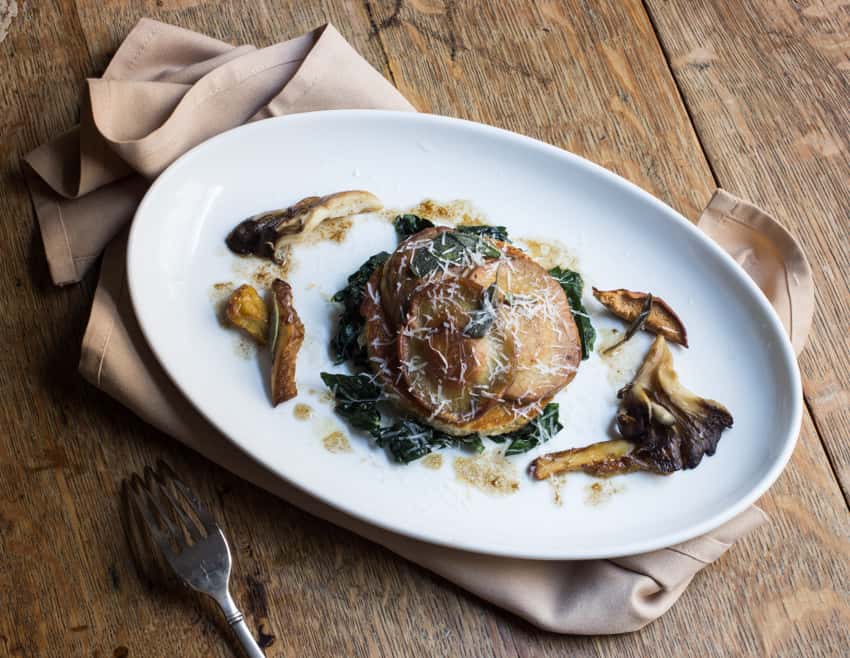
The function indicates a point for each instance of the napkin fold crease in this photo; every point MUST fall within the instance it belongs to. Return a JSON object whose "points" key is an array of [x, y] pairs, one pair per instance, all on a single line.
{"points": [[168, 89]]}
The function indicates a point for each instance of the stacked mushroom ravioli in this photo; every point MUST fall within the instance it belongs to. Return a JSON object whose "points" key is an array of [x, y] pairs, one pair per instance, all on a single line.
{"points": [[468, 333]]}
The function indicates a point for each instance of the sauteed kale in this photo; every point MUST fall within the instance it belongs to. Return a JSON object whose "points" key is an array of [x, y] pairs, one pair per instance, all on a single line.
{"points": [[573, 285], [357, 397]]}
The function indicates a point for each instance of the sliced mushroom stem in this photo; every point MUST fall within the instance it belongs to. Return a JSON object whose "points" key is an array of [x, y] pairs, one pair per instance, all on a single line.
{"points": [[287, 336], [603, 459]]}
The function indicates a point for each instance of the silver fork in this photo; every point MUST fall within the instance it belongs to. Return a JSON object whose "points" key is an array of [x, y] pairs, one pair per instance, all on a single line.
{"points": [[190, 540]]}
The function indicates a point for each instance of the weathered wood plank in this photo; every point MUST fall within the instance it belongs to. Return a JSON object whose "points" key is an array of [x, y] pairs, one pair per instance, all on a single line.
{"points": [[590, 78], [768, 86]]}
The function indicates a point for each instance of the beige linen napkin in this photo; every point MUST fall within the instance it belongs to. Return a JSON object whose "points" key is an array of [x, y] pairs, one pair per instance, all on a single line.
{"points": [[166, 90]]}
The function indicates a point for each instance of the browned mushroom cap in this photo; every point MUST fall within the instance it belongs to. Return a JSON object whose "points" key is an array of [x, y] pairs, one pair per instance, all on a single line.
{"points": [[257, 234], [456, 378], [662, 320], [313, 211], [538, 326]]}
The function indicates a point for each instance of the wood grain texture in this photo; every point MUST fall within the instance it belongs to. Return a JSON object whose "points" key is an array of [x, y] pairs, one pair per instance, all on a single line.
{"points": [[587, 76], [768, 87]]}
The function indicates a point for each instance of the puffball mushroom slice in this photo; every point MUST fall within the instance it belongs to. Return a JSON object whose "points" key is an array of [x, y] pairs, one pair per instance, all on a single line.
{"points": [[456, 378], [538, 326], [398, 282]]}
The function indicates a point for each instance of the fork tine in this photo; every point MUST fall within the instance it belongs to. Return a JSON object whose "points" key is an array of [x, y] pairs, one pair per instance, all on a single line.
{"points": [[183, 519], [164, 509], [188, 495], [140, 499]]}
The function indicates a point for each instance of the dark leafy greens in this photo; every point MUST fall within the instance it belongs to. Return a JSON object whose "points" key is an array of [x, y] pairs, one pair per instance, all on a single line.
{"points": [[531, 435], [357, 396], [409, 224], [573, 285], [408, 440], [345, 344], [357, 399]]}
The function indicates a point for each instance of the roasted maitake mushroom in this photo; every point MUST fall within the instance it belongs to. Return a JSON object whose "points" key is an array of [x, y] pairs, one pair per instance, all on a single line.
{"points": [[246, 310], [665, 427], [662, 320], [287, 336], [268, 233]]}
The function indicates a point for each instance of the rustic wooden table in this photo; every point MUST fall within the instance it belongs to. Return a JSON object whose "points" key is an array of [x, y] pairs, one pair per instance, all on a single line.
{"points": [[679, 96]]}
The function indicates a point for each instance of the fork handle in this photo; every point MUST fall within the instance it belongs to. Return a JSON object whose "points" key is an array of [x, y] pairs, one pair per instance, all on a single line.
{"points": [[249, 644], [240, 628]]}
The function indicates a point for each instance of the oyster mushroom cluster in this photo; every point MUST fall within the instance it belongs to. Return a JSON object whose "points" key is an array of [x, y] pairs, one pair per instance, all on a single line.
{"points": [[665, 427], [468, 333]]}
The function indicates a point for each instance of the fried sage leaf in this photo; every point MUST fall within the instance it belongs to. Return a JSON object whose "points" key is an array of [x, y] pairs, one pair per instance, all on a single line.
{"points": [[573, 286], [356, 399], [451, 248], [287, 336], [531, 435], [662, 320], [637, 324], [483, 317], [346, 343], [410, 224]]}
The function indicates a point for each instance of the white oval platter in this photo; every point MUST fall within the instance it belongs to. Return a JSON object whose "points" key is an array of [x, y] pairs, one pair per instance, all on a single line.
{"points": [[617, 234]]}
